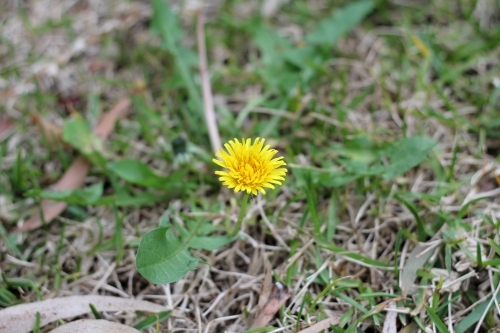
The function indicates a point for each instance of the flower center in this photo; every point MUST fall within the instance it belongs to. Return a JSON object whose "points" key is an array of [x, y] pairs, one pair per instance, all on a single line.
{"points": [[249, 170]]}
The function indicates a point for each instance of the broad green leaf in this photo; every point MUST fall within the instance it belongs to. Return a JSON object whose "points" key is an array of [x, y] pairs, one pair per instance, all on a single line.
{"points": [[202, 239], [209, 243], [165, 220], [300, 56], [405, 154], [138, 173], [77, 133], [339, 23], [163, 258], [166, 23], [79, 196], [270, 44]]}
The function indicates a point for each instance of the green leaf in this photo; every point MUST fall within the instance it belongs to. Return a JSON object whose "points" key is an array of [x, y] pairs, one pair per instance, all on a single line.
{"points": [[405, 154], [36, 327], [96, 313], [362, 159], [118, 236], [339, 23], [437, 321], [494, 245], [7, 298], [152, 319], [121, 199], [421, 229], [473, 317], [138, 173], [79, 196], [163, 258], [77, 133], [365, 261], [202, 239], [270, 43], [166, 23], [209, 243]]}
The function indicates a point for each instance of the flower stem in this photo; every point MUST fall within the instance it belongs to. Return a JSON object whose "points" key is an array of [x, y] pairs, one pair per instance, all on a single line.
{"points": [[243, 208]]}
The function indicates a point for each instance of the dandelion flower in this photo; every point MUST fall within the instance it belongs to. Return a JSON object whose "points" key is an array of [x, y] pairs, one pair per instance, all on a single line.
{"points": [[250, 167]]}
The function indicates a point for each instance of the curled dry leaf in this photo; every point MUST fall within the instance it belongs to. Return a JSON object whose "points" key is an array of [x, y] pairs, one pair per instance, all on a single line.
{"points": [[76, 173], [279, 296], [94, 326], [21, 318]]}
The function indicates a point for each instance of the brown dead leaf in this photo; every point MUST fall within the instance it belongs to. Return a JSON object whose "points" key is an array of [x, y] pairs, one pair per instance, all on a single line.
{"points": [[107, 123], [21, 318], [321, 325], [279, 296], [94, 326], [76, 173]]}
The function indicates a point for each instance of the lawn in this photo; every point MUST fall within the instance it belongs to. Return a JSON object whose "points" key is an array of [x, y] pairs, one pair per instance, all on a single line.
{"points": [[386, 113]]}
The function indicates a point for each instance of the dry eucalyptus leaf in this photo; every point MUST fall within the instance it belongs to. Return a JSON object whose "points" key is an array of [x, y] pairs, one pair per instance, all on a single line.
{"points": [[94, 326], [21, 318]]}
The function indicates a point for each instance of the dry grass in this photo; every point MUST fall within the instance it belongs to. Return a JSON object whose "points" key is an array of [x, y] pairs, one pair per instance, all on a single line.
{"points": [[60, 60]]}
